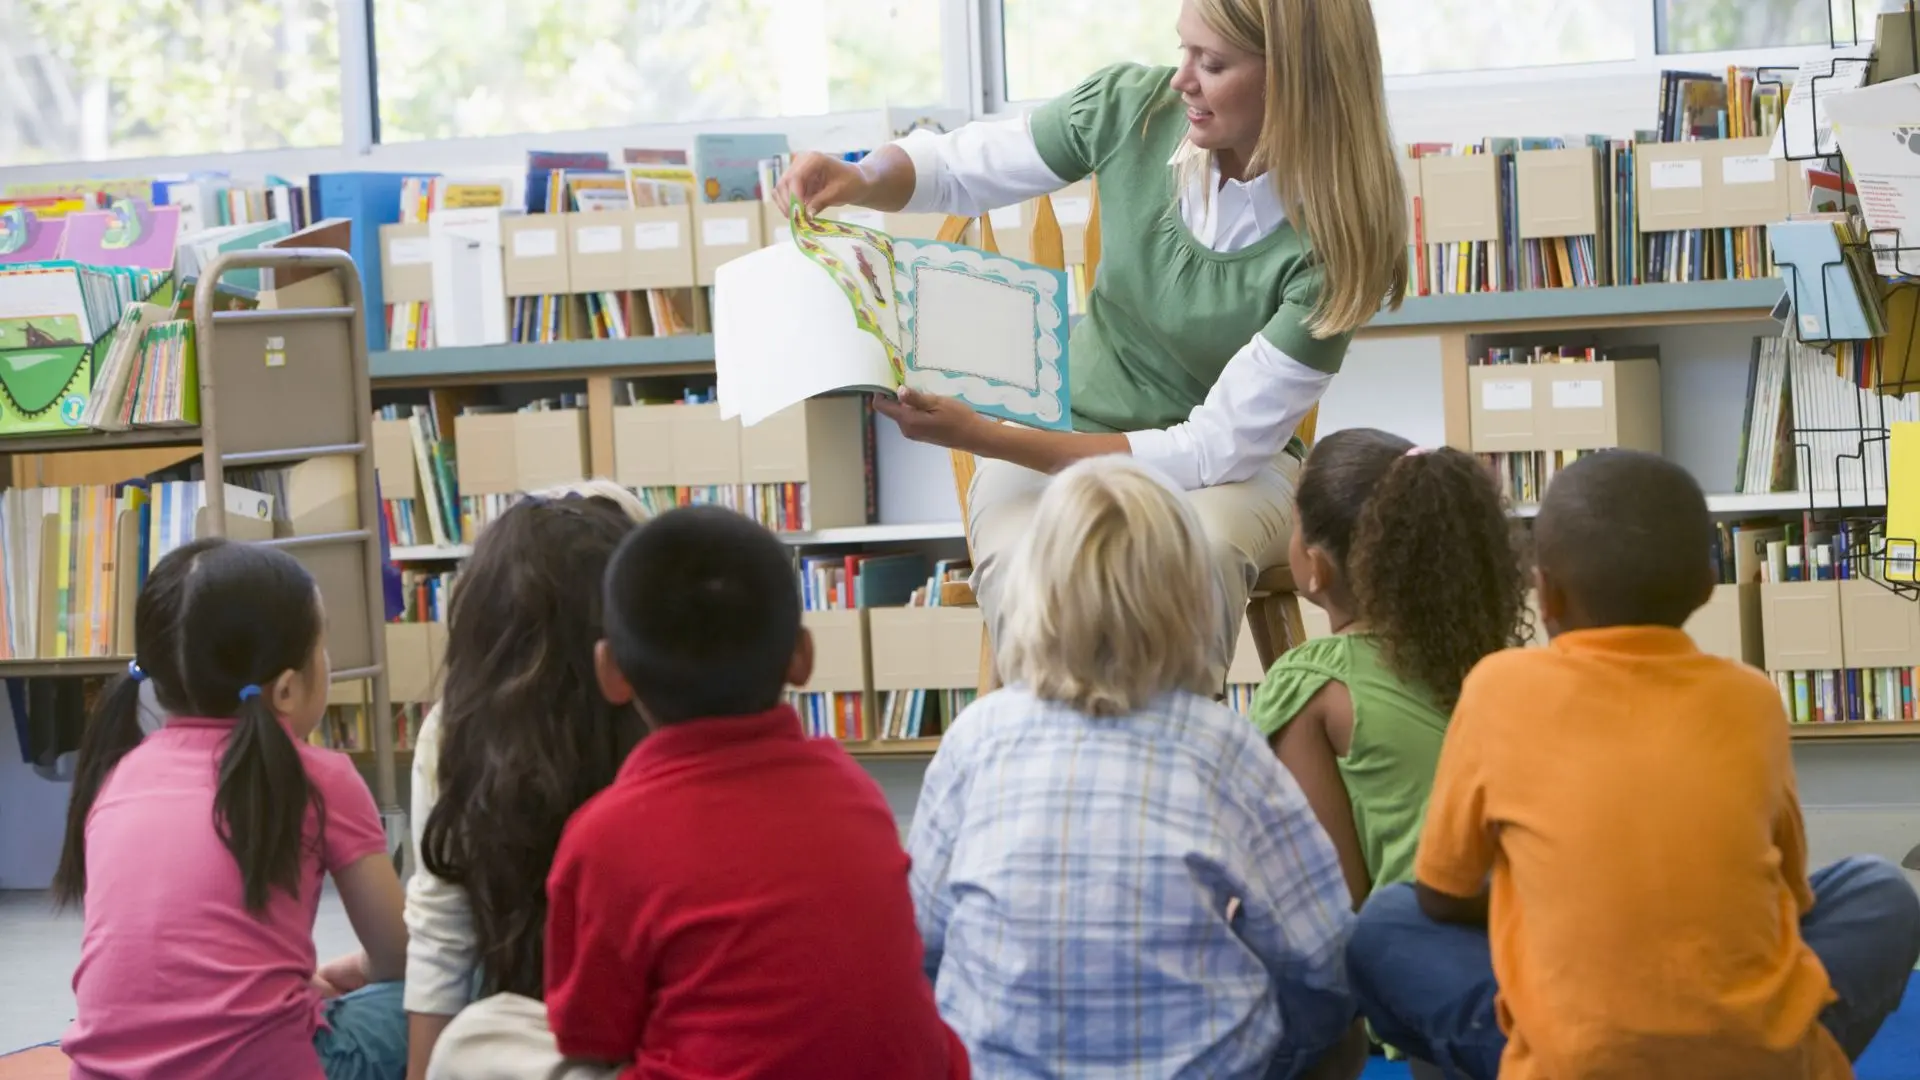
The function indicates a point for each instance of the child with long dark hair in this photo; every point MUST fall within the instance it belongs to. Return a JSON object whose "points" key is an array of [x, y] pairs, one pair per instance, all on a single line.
{"points": [[1409, 552], [520, 739], [199, 852]]}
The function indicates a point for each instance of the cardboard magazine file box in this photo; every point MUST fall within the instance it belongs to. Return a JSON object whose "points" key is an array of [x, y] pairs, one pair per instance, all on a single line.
{"points": [[1012, 231], [484, 454], [506, 453], [774, 226], [1557, 192], [925, 648], [1728, 625], [1670, 186], [1410, 183], [534, 247], [1800, 626], [660, 252], [1605, 405], [841, 663], [820, 443], [675, 445], [1746, 186], [393, 461], [1460, 198], [409, 663], [599, 250], [1878, 629], [406, 264], [1503, 412], [723, 232]]}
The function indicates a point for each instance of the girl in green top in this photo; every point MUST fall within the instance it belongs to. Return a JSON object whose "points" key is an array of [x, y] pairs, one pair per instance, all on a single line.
{"points": [[1410, 553], [1251, 218]]}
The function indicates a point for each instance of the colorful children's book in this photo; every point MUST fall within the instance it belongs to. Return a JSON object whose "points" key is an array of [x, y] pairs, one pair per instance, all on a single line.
{"points": [[845, 307], [25, 237], [728, 166], [125, 234]]}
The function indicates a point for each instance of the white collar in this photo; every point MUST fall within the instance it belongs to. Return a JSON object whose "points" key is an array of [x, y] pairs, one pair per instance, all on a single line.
{"points": [[1257, 195]]}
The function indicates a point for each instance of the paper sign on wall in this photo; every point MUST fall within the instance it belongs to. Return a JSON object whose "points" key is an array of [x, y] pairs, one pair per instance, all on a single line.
{"points": [[1506, 396]]}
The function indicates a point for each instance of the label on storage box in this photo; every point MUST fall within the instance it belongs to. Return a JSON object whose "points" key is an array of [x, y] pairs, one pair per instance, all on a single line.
{"points": [[866, 219], [410, 251], [1501, 395], [597, 239], [536, 244], [1747, 169], [656, 235], [725, 232], [1072, 210], [1677, 174], [1579, 394], [1005, 217]]}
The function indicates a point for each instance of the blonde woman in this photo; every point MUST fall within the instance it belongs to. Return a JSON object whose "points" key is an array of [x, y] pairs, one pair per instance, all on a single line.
{"points": [[1112, 874], [519, 740], [1251, 217]]}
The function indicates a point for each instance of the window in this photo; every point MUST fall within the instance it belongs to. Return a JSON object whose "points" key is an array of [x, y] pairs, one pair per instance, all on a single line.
{"points": [[104, 79], [1713, 25], [1052, 44], [461, 68]]}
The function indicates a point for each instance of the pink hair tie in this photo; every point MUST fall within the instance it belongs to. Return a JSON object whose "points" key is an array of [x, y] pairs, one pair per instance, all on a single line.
{"points": [[1416, 451]]}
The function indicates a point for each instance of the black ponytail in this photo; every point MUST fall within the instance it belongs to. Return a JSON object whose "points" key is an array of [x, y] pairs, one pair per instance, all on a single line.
{"points": [[250, 615], [114, 728]]}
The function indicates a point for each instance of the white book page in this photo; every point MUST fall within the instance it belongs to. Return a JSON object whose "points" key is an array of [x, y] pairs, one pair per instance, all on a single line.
{"points": [[783, 332]]}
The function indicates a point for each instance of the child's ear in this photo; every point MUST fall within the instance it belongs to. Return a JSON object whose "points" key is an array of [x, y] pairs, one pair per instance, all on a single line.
{"points": [[285, 693], [613, 682], [1321, 572], [800, 668], [1552, 600]]}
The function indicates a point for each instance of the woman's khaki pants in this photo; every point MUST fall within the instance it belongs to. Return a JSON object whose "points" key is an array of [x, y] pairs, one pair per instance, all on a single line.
{"points": [[1250, 524]]}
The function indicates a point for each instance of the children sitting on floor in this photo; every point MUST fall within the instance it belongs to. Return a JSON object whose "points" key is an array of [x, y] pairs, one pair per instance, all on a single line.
{"points": [[520, 740], [199, 852], [736, 903], [1409, 552], [1650, 915], [1113, 875]]}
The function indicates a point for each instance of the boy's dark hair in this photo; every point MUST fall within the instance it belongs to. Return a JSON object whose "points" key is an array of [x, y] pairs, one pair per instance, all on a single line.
{"points": [[215, 618], [526, 737], [1628, 536], [702, 615], [1422, 540]]}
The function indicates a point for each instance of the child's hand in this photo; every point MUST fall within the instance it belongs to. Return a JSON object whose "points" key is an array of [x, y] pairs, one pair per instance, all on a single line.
{"points": [[342, 976], [931, 418]]}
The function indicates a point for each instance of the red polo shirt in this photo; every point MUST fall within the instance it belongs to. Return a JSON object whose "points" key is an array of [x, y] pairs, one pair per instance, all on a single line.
{"points": [[735, 907]]}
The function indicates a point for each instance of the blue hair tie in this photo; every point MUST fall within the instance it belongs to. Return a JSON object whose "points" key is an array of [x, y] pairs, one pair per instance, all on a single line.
{"points": [[134, 672], [249, 691]]}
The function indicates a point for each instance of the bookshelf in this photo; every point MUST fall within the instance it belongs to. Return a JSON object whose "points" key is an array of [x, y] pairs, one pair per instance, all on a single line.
{"points": [[561, 359], [1605, 305], [276, 387]]}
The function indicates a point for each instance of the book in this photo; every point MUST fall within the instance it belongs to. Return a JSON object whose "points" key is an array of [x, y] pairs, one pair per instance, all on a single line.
{"points": [[727, 167], [125, 234], [844, 307], [25, 237], [1834, 295]]}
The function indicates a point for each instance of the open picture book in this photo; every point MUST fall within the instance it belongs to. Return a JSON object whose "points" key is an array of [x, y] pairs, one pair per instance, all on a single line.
{"points": [[845, 307]]}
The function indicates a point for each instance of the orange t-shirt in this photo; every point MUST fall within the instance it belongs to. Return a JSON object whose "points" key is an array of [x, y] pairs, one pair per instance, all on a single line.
{"points": [[1634, 802]]}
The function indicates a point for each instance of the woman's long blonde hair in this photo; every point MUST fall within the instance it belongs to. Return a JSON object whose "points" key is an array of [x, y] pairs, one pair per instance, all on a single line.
{"points": [[1327, 144], [1113, 597]]}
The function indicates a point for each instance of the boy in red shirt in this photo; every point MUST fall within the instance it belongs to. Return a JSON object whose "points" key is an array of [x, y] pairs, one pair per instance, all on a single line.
{"points": [[735, 905]]}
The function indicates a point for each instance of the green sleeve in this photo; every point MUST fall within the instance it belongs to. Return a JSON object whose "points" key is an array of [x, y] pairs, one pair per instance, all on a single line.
{"points": [[1296, 677], [1077, 131], [1288, 329]]}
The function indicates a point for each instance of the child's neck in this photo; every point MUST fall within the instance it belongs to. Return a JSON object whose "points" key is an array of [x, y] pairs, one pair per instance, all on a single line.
{"points": [[1343, 613]]}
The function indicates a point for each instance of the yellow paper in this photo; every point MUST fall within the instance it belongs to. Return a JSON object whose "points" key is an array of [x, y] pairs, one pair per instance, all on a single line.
{"points": [[1903, 500]]}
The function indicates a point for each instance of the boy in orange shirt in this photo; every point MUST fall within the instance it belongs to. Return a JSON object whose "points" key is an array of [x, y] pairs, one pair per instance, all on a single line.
{"points": [[1649, 913]]}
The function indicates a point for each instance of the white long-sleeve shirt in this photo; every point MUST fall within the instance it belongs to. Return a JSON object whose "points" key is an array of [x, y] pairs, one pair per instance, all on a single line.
{"points": [[442, 954], [1261, 395]]}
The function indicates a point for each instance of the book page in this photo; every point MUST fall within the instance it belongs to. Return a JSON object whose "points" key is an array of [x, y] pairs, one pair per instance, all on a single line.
{"points": [[988, 330], [784, 332], [860, 262]]}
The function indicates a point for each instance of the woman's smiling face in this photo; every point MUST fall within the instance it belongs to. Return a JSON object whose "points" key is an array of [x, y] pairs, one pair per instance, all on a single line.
{"points": [[1223, 88]]}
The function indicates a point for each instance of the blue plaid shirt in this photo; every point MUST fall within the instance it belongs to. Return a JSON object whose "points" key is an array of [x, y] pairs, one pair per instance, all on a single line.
{"points": [[1075, 881]]}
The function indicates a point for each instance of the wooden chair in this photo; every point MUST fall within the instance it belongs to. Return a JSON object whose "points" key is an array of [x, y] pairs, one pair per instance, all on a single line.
{"points": [[1273, 609]]}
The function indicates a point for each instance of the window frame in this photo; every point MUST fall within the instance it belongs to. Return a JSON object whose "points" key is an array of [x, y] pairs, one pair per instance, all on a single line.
{"points": [[973, 62]]}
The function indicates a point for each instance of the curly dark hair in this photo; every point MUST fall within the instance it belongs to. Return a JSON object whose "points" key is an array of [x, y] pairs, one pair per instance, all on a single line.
{"points": [[526, 737], [1424, 543]]}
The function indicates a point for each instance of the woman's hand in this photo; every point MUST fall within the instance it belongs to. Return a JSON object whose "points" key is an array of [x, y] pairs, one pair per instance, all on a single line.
{"points": [[930, 418], [821, 182]]}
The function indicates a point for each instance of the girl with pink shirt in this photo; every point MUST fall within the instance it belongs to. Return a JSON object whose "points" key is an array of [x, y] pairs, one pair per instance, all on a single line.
{"points": [[199, 853]]}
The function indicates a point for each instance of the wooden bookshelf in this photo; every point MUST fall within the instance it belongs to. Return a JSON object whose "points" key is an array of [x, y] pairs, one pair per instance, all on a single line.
{"points": [[1606, 305], [488, 364], [87, 441], [66, 667], [895, 748], [1859, 729]]}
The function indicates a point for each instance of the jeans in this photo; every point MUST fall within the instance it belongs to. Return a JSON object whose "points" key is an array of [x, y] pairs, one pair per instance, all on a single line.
{"points": [[1428, 988], [366, 1035]]}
